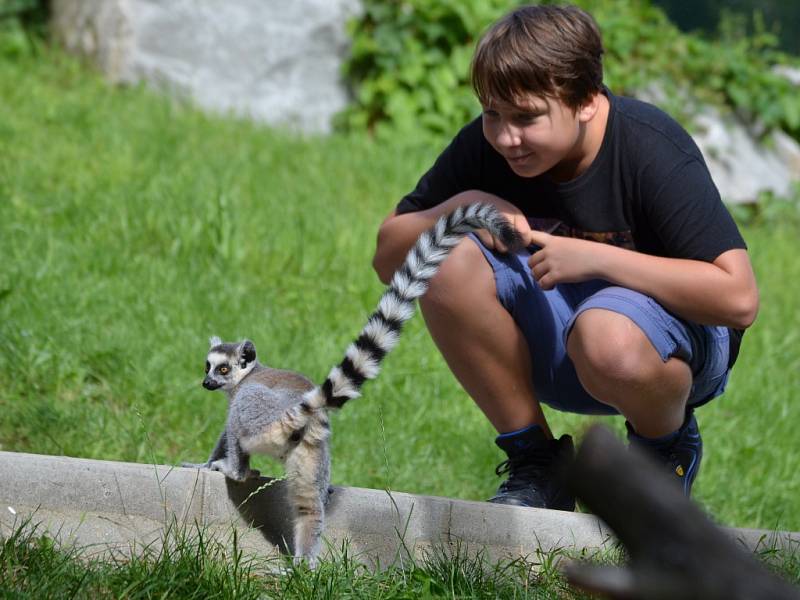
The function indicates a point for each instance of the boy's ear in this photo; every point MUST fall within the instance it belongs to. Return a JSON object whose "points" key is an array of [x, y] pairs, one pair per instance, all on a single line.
{"points": [[247, 353], [589, 109]]}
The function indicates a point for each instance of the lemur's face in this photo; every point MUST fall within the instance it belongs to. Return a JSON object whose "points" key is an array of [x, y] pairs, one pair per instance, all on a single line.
{"points": [[228, 364]]}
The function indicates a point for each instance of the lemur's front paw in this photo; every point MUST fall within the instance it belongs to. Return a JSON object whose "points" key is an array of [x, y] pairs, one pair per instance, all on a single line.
{"points": [[222, 467], [218, 465]]}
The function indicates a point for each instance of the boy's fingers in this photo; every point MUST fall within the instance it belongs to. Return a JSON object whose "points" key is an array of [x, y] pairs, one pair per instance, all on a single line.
{"points": [[540, 238], [484, 237], [491, 242], [545, 282], [535, 258]]}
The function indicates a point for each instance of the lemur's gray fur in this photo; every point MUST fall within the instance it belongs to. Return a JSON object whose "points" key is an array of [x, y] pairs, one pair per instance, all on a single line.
{"points": [[284, 415]]}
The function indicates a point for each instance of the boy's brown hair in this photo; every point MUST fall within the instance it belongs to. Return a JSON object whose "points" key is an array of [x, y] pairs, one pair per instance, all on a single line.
{"points": [[550, 51]]}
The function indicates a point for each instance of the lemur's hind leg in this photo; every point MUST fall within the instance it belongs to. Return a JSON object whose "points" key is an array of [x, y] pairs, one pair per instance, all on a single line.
{"points": [[308, 470]]}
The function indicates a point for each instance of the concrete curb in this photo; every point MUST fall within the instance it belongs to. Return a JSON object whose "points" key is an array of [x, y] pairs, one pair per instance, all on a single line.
{"points": [[105, 506]]}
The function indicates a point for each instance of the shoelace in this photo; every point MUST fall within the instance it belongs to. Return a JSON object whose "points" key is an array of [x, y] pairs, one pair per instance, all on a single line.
{"points": [[524, 468]]}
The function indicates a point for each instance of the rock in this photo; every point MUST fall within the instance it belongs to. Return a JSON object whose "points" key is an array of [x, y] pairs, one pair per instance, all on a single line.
{"points": [[101, 30], [743, 166], [276, 62], [792, 74]]}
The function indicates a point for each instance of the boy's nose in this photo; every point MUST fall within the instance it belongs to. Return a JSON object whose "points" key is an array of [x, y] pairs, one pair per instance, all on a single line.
{"points": [[508, 136]]}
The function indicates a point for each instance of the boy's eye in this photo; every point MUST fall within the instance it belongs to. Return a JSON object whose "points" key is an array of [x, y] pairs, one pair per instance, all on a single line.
{"points": [[490, 113], [526, 118]]}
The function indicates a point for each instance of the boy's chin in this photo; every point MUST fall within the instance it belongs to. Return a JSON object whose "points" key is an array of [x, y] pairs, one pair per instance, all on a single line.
{"points": [[527, 170]]}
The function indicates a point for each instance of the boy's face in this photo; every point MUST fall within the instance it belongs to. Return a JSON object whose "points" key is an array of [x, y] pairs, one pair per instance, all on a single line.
{"points": [[537, 135]]}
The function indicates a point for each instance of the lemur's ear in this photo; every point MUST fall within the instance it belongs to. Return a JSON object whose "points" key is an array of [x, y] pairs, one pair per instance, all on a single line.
{"points": [[247, 352], [214, 341]]}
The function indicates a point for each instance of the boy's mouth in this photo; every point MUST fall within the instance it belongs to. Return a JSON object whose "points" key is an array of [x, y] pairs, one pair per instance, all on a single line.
{"points": [[519, 159]]}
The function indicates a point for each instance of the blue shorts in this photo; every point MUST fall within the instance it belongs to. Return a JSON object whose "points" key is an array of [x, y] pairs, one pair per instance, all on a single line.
{"points": [[546, 318]]}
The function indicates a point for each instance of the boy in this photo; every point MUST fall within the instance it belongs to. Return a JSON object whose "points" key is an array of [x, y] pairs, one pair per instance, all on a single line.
{"points": [[636, 286]]}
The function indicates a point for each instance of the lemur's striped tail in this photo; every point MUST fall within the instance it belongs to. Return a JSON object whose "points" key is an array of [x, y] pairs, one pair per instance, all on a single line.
{"points": [[381, 333]]}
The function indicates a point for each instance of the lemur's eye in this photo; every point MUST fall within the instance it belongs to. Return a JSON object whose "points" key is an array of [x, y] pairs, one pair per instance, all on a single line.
{"points": [[224, 370], [208, 366]]}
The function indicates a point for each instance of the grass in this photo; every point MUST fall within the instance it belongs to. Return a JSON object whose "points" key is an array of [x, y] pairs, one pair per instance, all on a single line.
{"points": [[134, 227], [190, 564]]}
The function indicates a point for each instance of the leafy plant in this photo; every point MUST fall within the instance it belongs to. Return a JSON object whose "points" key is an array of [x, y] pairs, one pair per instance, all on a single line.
{"points": [[22, 25], [15, 7], [771, 211], [409, 64], [735, 71]]}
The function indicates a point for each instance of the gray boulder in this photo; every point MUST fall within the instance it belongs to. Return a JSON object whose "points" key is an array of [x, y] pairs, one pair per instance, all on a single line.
{"points": [[273, 61], [743, 165]]}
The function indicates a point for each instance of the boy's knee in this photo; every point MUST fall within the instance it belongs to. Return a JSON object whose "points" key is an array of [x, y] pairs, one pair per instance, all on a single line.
{"points": [[609, 349], [463, 272]]}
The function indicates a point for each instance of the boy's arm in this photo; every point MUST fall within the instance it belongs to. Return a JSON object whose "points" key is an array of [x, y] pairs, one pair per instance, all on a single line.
{"points": [[452, 181], [398, 233], [722, 292]]}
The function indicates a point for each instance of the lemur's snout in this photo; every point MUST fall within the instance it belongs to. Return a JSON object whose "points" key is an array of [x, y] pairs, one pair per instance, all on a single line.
{"points": [[210, 384]]}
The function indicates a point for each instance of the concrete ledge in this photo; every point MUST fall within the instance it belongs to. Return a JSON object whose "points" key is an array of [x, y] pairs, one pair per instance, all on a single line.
{"points": [[105, 506]]}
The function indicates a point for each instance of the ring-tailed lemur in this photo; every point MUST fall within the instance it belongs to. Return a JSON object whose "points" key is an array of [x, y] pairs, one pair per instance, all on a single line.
{"points": [[284, 415]]}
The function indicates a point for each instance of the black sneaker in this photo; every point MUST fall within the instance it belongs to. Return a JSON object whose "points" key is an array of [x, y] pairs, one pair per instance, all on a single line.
{"points": [[680, 455], [534, 474]]}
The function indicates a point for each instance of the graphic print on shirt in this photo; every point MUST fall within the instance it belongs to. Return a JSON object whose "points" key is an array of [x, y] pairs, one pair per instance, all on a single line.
{"points": [[622, 239]]}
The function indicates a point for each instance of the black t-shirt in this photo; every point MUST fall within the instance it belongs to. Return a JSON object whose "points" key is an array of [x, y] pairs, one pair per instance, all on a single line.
{"points": [[647, 190]]}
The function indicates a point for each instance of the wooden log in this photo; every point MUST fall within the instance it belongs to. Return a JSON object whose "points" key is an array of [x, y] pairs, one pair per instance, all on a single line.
{"points": [[674, 550]]}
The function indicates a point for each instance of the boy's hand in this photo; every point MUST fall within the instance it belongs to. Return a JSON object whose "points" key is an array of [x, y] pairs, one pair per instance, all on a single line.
{"points": [[562, 259], [512, 214]]}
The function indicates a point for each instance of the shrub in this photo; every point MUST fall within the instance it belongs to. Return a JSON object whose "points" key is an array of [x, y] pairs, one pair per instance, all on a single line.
{"points": [[22, 25], [409, 64]]}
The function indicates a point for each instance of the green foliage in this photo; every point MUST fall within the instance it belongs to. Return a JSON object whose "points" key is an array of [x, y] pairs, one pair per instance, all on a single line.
{"points": [[11, 8], [782, 17], [771, 211], [22, 27], [410, 62], [735, 72], [14, 41]]}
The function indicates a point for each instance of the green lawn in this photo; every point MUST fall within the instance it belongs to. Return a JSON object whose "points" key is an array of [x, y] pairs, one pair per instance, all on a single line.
{"points": [[132, 228]]}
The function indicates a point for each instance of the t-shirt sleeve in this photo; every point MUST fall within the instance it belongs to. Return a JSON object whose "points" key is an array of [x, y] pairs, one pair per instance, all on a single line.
{"points": [[457, 169], [688, 216]]}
